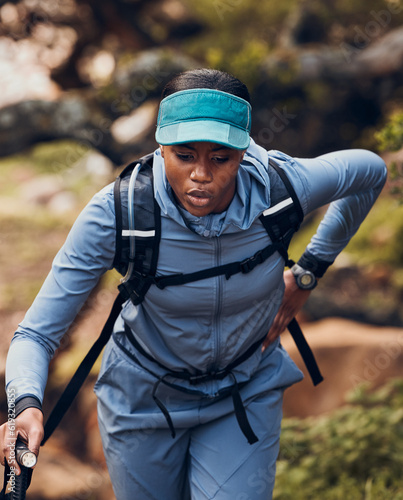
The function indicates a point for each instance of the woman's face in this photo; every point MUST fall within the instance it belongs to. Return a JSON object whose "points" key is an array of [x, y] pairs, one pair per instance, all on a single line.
{"points": [[202, 175]]}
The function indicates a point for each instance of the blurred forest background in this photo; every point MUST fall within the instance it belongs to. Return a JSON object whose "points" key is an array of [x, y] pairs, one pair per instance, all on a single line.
{"points": [[80, 85]]}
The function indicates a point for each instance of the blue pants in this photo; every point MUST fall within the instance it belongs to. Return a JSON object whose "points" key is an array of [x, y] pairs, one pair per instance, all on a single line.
{"points": [[209, 458], [208, 461]]}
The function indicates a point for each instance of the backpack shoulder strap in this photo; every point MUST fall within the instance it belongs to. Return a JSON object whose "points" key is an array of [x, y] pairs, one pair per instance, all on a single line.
{"points": [[290, 190], [147, 224], [283, 218], [137, 241]]}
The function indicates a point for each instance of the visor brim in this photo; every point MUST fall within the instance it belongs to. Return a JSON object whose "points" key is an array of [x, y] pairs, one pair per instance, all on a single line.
{"points": [[203, 131]]}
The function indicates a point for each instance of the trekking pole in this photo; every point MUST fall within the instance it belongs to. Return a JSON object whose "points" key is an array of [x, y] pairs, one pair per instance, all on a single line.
{"points": [[26, 460]]}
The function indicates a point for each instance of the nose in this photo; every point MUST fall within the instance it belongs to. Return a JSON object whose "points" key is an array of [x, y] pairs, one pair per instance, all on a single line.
{"points": [[201, 172]]}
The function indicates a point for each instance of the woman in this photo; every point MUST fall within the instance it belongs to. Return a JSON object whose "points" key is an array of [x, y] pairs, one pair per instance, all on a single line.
{"points": [[212, 183]]}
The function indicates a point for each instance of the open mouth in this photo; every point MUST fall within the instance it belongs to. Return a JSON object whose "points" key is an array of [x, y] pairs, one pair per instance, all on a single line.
{"points": [[199, 198]]}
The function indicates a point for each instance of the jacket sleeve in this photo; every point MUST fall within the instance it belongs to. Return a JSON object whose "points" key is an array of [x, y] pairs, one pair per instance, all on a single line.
{"points": [[87, 253], [350, 181]]}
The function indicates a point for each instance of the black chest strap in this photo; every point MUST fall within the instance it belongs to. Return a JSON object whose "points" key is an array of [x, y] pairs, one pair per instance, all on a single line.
{"points": [[140, 283]]}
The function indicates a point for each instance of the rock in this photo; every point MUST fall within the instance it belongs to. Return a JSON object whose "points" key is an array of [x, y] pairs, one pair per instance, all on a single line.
{"points": [[74, 116], [41, 190], [98, 166], [382, 57], [377, 58], [348, 354], [62, 203], [135, 127], [311, 99], [144, 76]]}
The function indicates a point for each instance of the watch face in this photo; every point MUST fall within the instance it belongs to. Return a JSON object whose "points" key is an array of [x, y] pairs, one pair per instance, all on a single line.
{"points": [[306, 279]]}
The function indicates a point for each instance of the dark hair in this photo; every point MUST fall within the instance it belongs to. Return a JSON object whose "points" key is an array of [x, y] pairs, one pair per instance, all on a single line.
{"points": [[206, 79]]}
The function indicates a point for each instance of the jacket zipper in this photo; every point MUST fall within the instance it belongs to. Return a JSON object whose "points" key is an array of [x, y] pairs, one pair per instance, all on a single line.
{"points": [[217, 311]]}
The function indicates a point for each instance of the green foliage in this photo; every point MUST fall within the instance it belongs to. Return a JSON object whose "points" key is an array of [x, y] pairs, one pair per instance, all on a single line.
{"points": [[355, 453], [239, 34], [378, 240], [61, 159], [390, 138], [380, 237], [56, 156], [244, 63], [48, 157]]}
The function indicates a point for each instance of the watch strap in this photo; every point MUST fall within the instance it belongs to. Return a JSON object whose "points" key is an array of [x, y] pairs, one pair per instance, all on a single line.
{"points": [[311, 263]]}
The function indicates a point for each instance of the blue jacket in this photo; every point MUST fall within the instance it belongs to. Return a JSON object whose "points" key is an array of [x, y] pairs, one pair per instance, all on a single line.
{"points": [[209, 323]]}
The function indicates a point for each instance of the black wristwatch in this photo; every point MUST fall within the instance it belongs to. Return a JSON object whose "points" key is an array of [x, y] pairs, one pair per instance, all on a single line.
{"points": [[305, 279]]}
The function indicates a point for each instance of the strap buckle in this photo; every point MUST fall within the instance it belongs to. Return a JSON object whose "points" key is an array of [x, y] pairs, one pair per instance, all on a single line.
{"points": [[249, 264], [136, 287]]}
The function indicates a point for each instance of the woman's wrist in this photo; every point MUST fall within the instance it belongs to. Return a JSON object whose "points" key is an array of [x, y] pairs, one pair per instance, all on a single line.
{"points": [[25, 403], [313, 264]]}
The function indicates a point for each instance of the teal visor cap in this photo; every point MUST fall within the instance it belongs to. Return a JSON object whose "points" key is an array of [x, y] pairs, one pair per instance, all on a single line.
{"points": [[204, 115]]}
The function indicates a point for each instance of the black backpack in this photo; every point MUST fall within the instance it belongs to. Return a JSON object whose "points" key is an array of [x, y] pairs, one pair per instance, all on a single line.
{"points": [[138, 234], [281, 221]]}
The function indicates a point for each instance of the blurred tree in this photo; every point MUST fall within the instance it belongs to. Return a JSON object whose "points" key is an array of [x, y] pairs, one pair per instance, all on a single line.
{"points": [[118, 26], [320, 72], [93, 64]]}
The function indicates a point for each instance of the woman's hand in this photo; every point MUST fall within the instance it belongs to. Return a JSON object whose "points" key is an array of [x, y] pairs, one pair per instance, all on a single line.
{"points": [[28, 426], [293, 300]]}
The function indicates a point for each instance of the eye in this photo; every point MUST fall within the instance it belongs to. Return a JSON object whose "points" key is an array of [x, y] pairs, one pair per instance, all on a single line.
{"points": [[220, 159], [184, 156]]}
